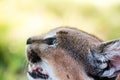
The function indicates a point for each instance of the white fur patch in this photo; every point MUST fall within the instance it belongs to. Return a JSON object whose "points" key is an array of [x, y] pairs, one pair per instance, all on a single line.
{"points": [[49, 69], [49, 35], [46, 67], [109, 73]]}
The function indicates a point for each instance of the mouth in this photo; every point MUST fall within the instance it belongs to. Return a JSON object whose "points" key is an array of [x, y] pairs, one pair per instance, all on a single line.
{"points": [[35, 68], [36, 71]]}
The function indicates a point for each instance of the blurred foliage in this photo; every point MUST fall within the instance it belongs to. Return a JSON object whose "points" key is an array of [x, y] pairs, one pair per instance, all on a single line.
{"points": [[20, 19], [12, 62]]}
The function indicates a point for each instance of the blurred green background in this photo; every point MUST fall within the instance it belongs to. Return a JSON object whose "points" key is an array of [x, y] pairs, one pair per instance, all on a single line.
{"points": [[20, 19]]}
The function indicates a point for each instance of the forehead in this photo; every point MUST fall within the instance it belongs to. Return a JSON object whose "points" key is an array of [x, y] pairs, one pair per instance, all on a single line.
{"points": [[53, 32]]}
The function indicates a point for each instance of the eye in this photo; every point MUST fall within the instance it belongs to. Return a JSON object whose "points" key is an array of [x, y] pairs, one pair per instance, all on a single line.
{"points": [[51, 41]]}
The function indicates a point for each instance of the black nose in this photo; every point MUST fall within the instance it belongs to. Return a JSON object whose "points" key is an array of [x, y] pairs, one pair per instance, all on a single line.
{"points": [[29, 41]]}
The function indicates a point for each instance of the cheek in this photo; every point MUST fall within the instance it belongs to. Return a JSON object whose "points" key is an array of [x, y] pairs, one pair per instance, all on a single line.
{"points": [[43, 46]]}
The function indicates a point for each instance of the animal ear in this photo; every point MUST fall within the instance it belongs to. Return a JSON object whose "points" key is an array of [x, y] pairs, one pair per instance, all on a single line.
{"points": [[109, 54]]}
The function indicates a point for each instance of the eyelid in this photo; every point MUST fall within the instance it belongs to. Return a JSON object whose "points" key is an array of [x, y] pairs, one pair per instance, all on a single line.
{"points": [[52, 38], [50, 41]]}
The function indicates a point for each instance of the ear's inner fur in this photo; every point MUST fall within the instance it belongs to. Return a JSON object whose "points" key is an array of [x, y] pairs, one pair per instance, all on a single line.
{"points": [[99, 65], [105, 59]]}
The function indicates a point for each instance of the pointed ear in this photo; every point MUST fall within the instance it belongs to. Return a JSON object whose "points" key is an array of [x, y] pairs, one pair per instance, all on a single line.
{"points": [[108, 53]]}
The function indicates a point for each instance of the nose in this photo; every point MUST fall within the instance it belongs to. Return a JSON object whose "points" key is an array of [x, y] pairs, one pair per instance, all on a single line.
{"points": [[29, 41]]}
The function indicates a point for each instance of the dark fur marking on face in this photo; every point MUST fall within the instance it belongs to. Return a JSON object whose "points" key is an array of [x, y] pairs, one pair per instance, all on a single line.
{"points": [[68, 76], [33, 57], [62, 32]]}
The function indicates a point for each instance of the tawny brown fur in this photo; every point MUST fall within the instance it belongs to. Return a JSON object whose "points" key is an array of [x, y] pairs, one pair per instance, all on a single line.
{"points": [[68, 58]]}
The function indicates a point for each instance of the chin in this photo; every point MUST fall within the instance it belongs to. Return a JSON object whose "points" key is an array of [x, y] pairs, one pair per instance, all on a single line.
{"points": [[40, 71]]}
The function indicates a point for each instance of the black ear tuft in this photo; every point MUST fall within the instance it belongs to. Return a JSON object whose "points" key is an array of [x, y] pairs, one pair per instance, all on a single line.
{"points": [[107, 45]]}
